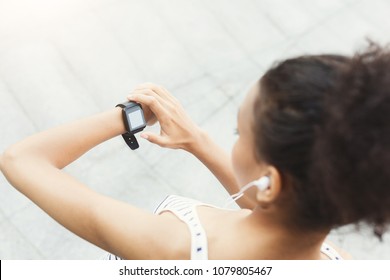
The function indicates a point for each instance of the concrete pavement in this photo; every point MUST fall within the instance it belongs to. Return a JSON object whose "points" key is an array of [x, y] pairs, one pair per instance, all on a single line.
{"points": [[62, 60]]}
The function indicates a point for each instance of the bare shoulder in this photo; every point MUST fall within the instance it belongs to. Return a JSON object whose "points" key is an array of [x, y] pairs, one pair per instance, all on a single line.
{"points": [[175, 243], [344, 254]]}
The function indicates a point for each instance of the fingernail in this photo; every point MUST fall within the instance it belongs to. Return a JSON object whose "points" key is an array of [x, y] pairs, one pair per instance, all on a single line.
{"points": [[145, 136]]}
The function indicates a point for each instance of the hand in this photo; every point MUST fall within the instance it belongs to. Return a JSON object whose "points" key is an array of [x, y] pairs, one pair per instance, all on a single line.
{"points": [[150, 117], [178, 131]]}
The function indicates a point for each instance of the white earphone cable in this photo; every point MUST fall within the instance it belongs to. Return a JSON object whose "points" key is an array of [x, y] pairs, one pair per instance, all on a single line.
{"points": [[263, 182]]}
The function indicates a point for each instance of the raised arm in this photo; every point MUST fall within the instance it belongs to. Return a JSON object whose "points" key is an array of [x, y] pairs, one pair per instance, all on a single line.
{"points": [[178, 131], [33, 166]]}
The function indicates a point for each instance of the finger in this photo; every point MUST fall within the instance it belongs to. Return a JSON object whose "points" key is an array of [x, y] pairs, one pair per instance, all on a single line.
{"points": [[154, 138], [160, 90], [151, 102], [149, 92], [168, 95], [165, 102], [149, 86]]}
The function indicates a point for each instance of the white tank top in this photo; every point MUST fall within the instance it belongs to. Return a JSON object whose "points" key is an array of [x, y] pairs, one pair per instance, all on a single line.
{"points": [[185, 209]]}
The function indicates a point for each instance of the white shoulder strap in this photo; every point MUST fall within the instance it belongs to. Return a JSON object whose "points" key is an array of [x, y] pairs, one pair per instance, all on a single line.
{"points": [[330, 252], [185, 210]]}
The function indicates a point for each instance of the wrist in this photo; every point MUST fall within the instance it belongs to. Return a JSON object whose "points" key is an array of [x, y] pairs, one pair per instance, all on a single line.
{"points": [[199, 144], [116, 120]]}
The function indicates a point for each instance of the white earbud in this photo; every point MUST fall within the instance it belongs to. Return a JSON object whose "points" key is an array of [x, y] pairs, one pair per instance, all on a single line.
{"points": [[262, 184]]}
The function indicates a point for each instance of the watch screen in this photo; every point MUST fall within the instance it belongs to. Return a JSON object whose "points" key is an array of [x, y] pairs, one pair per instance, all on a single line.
{"points": [[136, 119]]}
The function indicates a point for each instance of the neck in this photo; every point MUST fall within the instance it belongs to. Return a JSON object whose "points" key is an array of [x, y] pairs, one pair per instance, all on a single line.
{"points": [[279, 240]]}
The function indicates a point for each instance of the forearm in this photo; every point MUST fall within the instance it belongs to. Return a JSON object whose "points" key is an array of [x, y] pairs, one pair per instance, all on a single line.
{"points": [[62, 145], [32, 166], [53, 149], [219, 163]]}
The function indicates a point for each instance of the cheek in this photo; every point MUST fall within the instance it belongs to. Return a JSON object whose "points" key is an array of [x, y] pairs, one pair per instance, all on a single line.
{"points": [[239, 162], [245, 166]]}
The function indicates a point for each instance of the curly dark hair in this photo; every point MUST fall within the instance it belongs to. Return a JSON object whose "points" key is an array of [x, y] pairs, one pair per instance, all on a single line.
{"points": [[324, 122]]}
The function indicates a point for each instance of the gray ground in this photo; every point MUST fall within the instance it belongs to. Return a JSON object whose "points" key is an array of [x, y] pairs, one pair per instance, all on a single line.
{"points": [[62, 60]]}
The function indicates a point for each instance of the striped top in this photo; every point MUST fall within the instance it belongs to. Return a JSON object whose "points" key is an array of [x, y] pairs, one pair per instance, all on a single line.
{"points": [[185, 209]]}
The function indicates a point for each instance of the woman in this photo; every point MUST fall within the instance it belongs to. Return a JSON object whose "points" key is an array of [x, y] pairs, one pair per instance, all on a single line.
{"points": [[313, 154]]}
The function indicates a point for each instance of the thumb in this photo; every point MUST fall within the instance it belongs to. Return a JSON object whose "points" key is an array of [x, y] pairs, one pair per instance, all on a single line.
{"points": [[153, 138]]}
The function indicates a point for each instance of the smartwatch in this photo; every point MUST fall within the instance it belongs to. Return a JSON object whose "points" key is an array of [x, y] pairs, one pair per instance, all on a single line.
{"points": [[134, 120]]}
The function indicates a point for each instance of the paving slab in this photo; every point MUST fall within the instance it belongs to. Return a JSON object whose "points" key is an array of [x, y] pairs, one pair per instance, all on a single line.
{"points": [[14, 245], [75, 58], [196, 28], [107, 76], [159, 57], [37, 78]]}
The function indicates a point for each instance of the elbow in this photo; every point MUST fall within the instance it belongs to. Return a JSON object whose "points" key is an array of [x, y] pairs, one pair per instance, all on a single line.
{"points": [[17, 161], [11, 165], [6, 160], [18, 167], [10, 159], [1, 162]]}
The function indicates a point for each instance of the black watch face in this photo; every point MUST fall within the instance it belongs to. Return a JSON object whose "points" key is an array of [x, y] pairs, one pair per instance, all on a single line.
{"points": [[135, 118]]}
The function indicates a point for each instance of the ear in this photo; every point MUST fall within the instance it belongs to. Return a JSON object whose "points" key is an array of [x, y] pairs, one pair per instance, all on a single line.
{"points": [[272, 192]]}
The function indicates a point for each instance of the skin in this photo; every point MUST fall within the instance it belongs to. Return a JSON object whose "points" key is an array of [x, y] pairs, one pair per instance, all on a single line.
{"points": [[34, 167]]}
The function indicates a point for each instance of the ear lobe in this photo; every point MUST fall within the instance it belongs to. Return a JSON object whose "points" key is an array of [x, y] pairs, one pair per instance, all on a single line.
{"points": [[270, 194]]}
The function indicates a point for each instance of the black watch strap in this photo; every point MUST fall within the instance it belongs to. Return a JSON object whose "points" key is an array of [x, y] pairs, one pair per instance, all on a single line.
{"points": [[125, 104], [130, 140]]}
